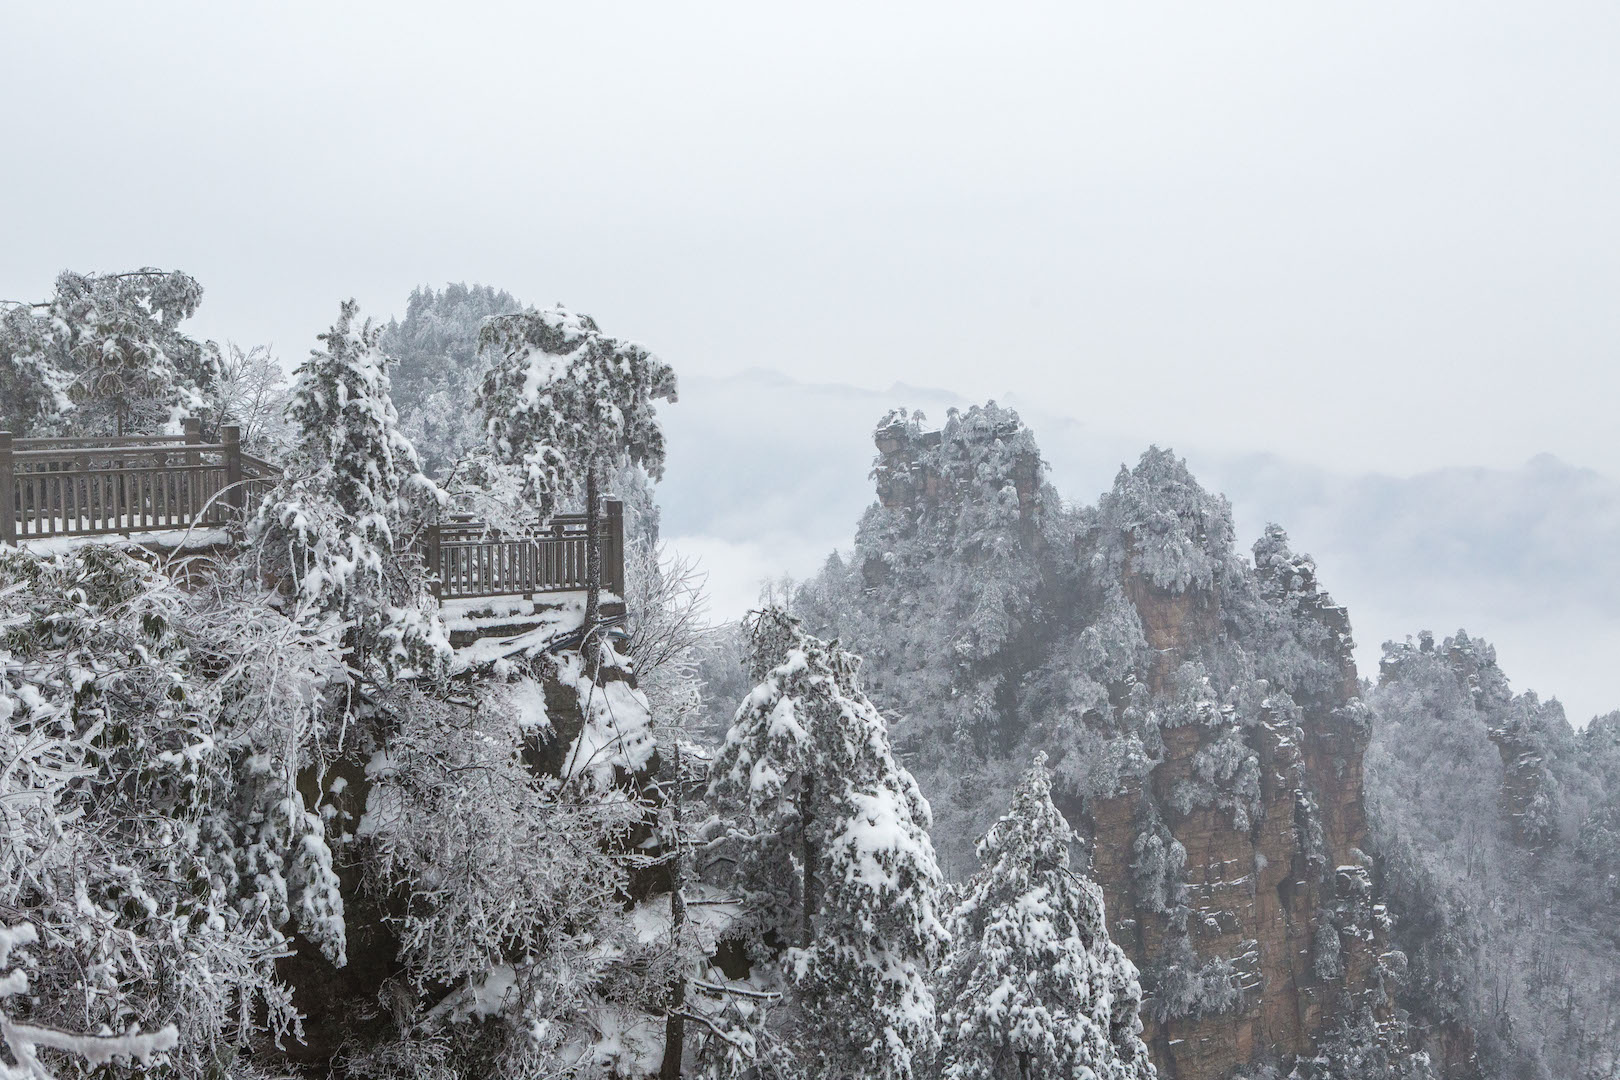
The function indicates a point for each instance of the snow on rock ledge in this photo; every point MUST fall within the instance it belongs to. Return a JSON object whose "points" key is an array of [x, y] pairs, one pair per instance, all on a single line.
{"points": [[616, 729]]}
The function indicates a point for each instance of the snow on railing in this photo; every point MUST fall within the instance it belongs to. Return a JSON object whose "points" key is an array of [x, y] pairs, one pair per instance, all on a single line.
{"points": [[125, 484], [468, 559]]}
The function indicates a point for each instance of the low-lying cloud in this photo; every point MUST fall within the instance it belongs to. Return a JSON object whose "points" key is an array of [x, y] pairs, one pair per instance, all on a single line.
{"points": [[768, 476]]}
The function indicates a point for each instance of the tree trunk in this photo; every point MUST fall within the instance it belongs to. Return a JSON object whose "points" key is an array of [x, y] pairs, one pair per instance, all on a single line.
{"points": [[807, 853], [593, 569], [674, 1022]]}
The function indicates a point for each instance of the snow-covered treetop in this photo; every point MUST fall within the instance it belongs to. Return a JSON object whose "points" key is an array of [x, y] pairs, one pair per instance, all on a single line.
{"points": [[338, 523], [1471, 660], [105, 354], [562, 401], [1285, 574], [440, 333], [1288, 581], [982, 455], [833, 852], [347, 424], [801, 679], [1603, 733], [1033, 834], [1174, 533], [440, 367]]}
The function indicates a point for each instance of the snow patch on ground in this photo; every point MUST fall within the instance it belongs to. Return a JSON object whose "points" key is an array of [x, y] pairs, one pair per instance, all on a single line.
{"points": [[528, 701], [168, 539], [617, 732], [560, 614], [710, 912]]}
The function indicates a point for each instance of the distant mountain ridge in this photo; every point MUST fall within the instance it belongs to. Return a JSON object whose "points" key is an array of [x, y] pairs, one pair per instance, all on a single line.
{"points": [[767, 473]]}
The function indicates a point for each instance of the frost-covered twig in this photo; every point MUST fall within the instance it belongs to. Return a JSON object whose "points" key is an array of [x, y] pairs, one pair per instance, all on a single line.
{"points": [[22, 1040]]}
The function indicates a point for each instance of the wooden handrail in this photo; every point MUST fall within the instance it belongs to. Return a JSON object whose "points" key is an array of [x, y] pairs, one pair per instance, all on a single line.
{"points": [[104, 486], [467, 559], [114, 441], [120, 485], [112, 451]]}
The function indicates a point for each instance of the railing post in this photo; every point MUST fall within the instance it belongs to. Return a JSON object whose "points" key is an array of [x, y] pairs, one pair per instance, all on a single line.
{"points": [[529, 565], [191, 480], [233, 465], [613, 564], [8, 497], [435, 571]]}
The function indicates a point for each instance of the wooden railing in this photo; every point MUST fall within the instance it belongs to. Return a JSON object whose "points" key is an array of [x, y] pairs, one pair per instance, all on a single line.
{"points": [[126, 484], [66, 487], [466, 559]]}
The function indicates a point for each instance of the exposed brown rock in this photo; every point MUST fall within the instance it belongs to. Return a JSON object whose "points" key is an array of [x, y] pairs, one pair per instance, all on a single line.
{"points": [[1256, 897]]}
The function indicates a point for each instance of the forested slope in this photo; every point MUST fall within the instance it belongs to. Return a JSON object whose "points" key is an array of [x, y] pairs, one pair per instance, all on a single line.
{"points": [[1200, 709], [1496, 827]]}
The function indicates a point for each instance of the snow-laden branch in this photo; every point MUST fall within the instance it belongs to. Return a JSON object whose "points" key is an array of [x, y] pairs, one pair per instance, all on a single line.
{"points": [[23, 1040]]}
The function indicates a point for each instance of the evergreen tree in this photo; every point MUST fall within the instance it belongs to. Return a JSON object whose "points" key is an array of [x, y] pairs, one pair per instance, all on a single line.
{"points": [[105, 355], [440, 368], [341, 523], [833, 855], [566, 406], [1035, 986]]}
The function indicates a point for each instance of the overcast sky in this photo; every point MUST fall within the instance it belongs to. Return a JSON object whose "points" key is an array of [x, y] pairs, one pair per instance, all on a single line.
{"points": [[1363, 237]]}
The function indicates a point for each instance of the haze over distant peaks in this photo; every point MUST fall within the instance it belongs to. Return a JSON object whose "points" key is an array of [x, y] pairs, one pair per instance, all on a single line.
{"points": [[1517, 554]]}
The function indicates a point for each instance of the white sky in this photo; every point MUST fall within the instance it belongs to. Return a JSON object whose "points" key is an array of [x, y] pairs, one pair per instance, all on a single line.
{"points": [[1363, 235]]}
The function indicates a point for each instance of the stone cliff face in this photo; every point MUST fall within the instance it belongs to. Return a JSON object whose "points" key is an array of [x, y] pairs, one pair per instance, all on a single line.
{"points": [[1202, 712], [1287, 902]]}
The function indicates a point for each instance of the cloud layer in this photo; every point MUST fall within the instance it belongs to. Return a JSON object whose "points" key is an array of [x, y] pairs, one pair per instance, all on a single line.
{"points": [[768, 475]]}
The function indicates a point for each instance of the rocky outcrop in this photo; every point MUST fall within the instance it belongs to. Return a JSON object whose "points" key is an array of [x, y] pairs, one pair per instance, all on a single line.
{"points": [[1202, 712], [916, 467], [1283, 910]]}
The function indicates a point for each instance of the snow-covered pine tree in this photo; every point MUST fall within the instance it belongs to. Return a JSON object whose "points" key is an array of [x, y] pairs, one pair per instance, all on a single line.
{"points": [[1035, 987], [565, 406], [105, 355], [341, 524], [832, 850], [440, 368]]}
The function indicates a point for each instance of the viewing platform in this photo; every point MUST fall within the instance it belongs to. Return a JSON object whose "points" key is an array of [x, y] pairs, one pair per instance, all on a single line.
{"points": [[467, 560], [503, 594], [172, 491]]}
